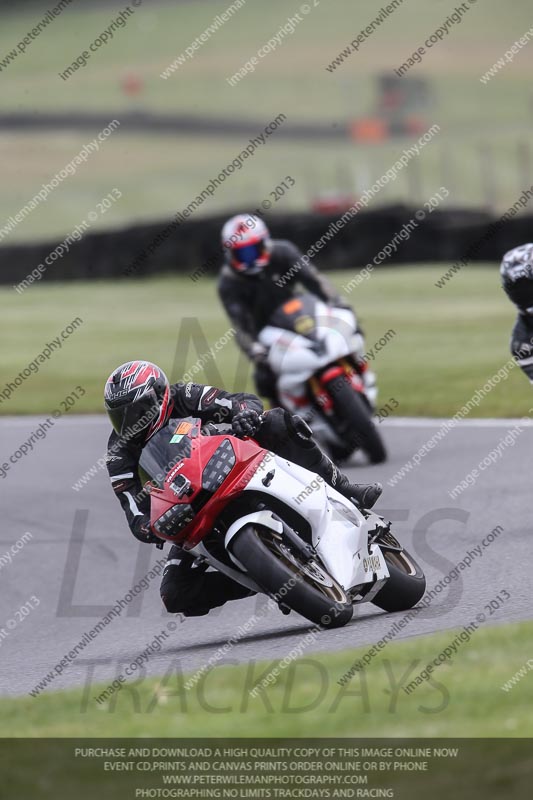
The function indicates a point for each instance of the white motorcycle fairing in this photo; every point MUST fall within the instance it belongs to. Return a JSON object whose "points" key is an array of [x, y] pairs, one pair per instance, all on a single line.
{"points": [[339, 530], [294, 358]]}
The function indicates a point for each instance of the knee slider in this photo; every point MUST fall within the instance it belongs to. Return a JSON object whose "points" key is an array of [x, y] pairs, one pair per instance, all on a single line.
{"points": [[298, 429], [173, 599]]}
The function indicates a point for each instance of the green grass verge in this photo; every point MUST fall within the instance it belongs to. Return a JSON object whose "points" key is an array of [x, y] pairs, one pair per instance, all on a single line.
{"points": [[157, 33], [292, 80], [447, 342], [463, 699], [173, 171]]}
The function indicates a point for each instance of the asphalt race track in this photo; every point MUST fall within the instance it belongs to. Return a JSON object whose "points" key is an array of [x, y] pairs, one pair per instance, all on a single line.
{"points": [[81, 558]]}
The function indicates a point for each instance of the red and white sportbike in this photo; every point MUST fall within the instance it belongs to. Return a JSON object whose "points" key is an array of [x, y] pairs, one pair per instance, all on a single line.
{"points": [[273, 526], [317, 354]]}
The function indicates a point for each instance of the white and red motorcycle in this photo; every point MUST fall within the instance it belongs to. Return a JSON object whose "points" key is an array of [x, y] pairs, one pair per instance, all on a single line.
{"points": [[273, 526], [317, 354]]}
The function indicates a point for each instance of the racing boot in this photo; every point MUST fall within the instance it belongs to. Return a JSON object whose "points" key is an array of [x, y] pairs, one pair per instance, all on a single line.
{"points": [[291, 437], [363, 495]]}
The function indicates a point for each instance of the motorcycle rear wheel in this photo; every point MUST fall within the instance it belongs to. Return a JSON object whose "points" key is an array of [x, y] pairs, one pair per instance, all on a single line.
{"points": [[406, 585], [351, 408], [315, 595]]}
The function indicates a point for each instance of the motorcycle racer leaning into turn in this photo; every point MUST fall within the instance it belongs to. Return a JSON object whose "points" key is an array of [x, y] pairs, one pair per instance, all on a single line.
{"points": [[517, 281], [258, 276], [139, 401]]}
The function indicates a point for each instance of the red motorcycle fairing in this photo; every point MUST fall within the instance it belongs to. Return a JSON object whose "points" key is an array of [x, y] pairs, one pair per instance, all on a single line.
{"points": [[201, 484], [319, 384], [348, 367]]}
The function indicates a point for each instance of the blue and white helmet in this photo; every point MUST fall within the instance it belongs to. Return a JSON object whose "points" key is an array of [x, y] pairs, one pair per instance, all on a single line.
{"points": [[247, 243]]}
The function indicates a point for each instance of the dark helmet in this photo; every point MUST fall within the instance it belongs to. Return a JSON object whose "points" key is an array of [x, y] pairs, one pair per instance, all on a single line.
{"points": [[246, 240], [137, 399], [517, 277]]}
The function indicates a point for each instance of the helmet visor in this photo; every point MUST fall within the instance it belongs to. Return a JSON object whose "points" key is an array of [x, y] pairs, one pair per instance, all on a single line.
{"points": [[134, 418], [520, 292], [248, 255]]}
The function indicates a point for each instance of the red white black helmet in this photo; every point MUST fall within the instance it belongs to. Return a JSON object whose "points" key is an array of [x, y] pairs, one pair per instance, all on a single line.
{"points": [[137, 399], [247, 242]]}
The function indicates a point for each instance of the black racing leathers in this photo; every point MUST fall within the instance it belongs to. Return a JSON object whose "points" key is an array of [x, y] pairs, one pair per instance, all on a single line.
{"points": [[250, 300], [517, 280], [516, 272], [191, 399], [186, 587], [522, 343]]}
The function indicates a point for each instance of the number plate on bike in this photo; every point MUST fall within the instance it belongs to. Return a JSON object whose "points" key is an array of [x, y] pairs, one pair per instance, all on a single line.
{"points": [[372, 564]]}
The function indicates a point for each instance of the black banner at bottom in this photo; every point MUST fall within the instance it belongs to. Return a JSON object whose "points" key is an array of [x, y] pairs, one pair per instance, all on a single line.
{"points": [[127, 769]]}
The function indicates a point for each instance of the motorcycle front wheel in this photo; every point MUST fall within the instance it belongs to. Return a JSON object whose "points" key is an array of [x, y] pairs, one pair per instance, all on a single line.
{"points": [[304, 586]]}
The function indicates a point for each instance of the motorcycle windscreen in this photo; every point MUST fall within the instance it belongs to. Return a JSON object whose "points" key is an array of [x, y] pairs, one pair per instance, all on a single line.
{"points": [[165, 449], [296, 314]]}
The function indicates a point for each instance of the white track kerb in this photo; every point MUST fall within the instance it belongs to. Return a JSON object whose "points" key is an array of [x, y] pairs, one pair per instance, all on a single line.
{"points": [[448, 425]]}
